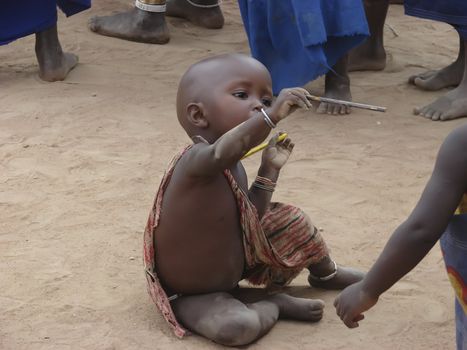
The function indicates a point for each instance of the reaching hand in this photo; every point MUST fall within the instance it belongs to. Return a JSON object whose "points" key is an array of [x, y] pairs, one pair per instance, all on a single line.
{"points": [[287, 102], [351, 304], [276, 154]]}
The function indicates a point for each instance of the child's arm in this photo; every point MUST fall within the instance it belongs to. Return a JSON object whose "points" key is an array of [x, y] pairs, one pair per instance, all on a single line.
{"points": [[414, 238], [273, 159], [208, 159]]}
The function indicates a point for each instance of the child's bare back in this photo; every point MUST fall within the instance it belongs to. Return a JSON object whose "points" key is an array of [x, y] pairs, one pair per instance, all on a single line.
{"points": [[208, 230], [199, 243]]}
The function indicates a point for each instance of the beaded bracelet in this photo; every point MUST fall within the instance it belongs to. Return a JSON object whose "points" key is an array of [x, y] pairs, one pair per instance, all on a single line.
{"points": [[264, 183]]}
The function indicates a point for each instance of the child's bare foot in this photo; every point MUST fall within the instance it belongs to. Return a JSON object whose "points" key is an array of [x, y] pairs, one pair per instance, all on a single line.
{"points": [[344, 277], [210, 17], [337, 86], [367, 56], [328, 275], [54, 64], [439, 79], [299, 309], [450, 106], [134, 25]]}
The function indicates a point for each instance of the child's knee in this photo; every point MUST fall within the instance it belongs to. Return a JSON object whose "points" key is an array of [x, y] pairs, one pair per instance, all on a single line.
{"points": [[239, 328]]}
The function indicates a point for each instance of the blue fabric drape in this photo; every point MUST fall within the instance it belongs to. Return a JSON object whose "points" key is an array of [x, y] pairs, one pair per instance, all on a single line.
{"points": [[299, 40], [25, 17], [453, 12]]}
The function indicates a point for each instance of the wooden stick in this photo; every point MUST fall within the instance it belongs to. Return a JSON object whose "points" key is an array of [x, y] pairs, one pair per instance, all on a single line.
{"points": [[348, 103], [262, 146]]}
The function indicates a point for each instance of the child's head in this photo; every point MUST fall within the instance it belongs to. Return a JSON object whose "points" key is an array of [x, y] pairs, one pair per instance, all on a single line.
{"points": [[219, 93]]}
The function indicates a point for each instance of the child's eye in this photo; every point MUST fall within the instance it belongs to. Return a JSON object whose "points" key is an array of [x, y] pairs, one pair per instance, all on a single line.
{"points": [[266, 102], [240, 94]]}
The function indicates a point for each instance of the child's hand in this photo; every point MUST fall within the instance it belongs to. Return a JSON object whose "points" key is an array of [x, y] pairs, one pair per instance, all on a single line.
{"points": [[287, 102], [276, 154], [351, 304]]}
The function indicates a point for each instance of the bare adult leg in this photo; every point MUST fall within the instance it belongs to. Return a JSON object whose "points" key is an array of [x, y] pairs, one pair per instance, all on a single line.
{"points": [[328, 275], [453, 104], [371, 54], [228, 321], [450, 75], [134, 25], [337, 86], [54, 64], [204, 13]]}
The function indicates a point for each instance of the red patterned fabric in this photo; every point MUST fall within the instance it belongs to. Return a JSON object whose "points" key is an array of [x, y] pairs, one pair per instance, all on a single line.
{"points": [[276, 248]]}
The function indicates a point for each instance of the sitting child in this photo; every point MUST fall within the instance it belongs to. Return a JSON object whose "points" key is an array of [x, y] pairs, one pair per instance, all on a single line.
{"points": [[207, 231]]}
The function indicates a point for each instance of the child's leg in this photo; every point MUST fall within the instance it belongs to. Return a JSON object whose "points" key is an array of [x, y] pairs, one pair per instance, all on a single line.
{"points": [[337, 86], [328, 275], [450, 75], [54, 64], [371, 54], [226, 320], [292, 235], [453, 104]]}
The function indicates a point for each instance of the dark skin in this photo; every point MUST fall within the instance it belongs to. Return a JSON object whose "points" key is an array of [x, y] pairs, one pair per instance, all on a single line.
{"points": [[151, 27], [371, 55], [201, 256], [415, 237], [54, 64]]}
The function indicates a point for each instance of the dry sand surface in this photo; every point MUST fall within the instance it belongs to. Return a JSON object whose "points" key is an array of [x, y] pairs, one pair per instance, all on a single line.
{"points": [[80, 161]]}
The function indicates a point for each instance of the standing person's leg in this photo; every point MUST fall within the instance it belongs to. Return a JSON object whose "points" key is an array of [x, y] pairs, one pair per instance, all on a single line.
{"points": [[226, 320], [143, 25], [205, 13], [54, 64], [371, 55], [450, 75], [453, 104], [337, 86]]}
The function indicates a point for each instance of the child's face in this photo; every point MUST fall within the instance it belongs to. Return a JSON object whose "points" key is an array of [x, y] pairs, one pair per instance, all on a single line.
{"points": [[242, 89]]}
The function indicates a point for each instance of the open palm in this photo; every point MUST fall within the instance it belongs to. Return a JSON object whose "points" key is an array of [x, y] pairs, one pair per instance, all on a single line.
{"points": [[276, 154]]}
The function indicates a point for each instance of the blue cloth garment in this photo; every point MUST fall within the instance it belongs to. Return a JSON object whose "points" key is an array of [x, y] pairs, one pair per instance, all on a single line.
{"points": [[453, 12], [454, 247], [25, 17], [299, 40]]}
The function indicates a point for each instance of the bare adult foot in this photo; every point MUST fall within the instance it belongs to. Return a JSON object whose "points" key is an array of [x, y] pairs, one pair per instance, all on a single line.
{"points": [[54, 64], [367, 56], [445, 77], [450, 106], [202, 15], [440, 79], [337, 86], [344, 277], [371, 54], [299, 309], [134, 25]]}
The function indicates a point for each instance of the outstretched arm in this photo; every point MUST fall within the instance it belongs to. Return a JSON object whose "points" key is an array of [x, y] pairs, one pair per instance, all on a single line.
{"points": [[208, 159], [414, 238]]}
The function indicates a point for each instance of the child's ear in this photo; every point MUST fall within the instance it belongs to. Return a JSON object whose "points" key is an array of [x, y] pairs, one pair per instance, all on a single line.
{"points": [[195, 115]]}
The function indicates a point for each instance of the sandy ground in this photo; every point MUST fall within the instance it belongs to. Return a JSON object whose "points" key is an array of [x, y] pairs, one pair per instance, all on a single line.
{"points": [[80, 161]]}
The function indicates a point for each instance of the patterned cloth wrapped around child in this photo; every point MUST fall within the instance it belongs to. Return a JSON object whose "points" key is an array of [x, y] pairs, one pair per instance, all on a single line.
{"points": [[276, 248]]}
